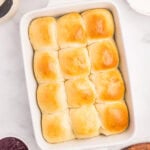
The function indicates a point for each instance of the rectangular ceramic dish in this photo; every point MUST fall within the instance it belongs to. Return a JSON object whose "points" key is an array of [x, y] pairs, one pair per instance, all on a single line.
{"points": [[55, 11]]}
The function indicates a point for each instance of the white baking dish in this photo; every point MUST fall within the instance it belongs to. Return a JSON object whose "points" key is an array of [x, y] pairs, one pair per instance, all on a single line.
{"points": [[59, 10]]}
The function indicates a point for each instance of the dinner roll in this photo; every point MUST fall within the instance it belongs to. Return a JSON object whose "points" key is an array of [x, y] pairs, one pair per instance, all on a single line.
{"points": [[46, 66], [71, 31], [103, 55], [43, 33], [114, 117], [56, 127], [109, 86], [74, 62], [99, 24], [51, 97], [80, 92], [85, 122]]}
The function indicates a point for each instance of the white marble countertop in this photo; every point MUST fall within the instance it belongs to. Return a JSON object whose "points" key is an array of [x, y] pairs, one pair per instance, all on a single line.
{"points": [[15, 117]]}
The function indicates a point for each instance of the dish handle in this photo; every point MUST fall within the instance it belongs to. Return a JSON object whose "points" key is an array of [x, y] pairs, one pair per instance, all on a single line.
{"points": [[53, 3]]}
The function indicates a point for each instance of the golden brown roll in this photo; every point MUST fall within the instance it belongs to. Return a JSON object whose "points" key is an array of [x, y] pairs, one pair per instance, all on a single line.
{"points": [[51, 97], [56, 127], [103, 55], [109, 86], [71, 31], [85, 122], [114, 117], [99, 24], [74, 62], [46, 67], [43, 33], [80, 92]]}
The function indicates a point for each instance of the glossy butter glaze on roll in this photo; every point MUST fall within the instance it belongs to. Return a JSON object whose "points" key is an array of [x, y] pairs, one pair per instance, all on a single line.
{"points": [[46, 67], [109, 86], [114, 117], [74, 62], [99, 24], [80, 92], [71, 31], [51, 97], [56, 127], [85, 122], [103, 55], [43, 33]]}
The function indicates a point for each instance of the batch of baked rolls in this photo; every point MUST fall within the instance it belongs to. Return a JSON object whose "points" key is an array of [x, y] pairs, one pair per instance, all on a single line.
{"points": [[80, 88]]}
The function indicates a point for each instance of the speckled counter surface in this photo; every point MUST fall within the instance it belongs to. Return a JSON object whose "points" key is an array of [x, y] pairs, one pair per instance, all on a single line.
{"points": [[15, 117]]}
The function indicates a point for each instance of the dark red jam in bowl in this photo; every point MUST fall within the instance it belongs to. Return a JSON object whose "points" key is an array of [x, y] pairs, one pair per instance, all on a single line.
{"points": [[11, 143]]}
